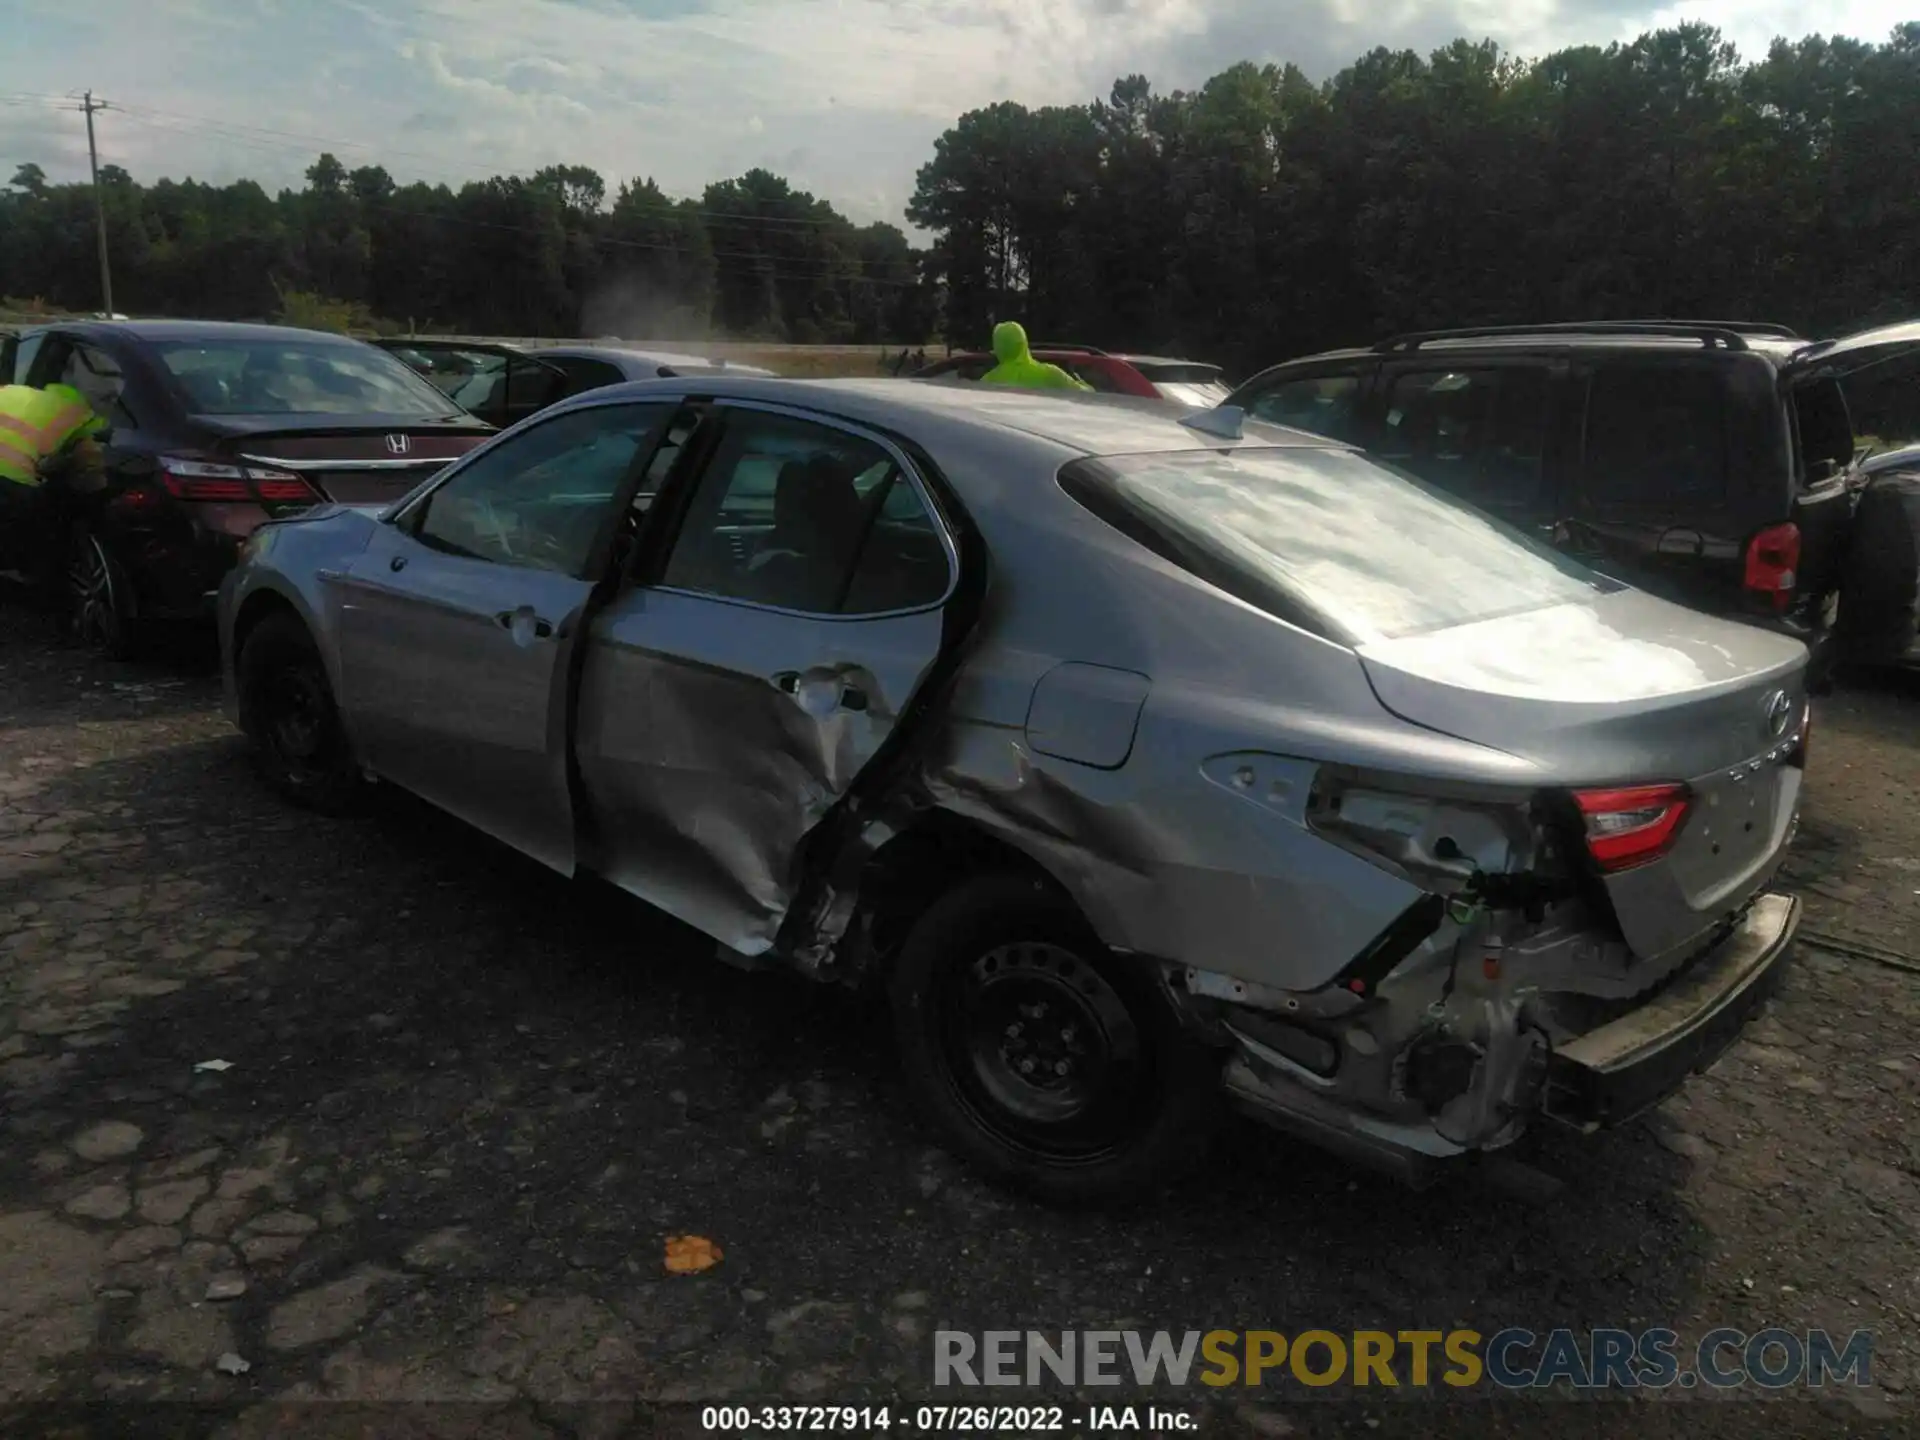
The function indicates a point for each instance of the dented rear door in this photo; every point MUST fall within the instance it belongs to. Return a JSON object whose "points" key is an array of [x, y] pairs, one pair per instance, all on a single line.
{"points": [[732, 697]]}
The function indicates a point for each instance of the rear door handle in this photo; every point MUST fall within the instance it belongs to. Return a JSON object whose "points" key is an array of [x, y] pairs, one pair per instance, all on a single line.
{"points": [[542, 629], [852, 697]]}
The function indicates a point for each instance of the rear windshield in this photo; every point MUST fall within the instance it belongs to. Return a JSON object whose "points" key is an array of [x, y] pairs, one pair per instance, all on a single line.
{"points": [[297, 377], [1328, 539]]}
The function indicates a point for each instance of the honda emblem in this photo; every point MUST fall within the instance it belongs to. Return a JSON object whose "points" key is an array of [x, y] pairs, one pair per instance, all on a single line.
{"points": [[398, 444]]}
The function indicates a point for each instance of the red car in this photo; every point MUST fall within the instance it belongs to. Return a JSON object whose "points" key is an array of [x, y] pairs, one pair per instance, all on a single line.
{"points": [[1154, 376]]}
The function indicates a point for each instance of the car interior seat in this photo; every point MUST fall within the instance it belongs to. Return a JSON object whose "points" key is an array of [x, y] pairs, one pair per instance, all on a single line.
{"points": [[817, 522]]}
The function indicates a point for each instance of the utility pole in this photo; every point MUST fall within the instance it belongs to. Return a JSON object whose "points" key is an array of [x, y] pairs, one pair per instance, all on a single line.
{"points": [[89, 105]]}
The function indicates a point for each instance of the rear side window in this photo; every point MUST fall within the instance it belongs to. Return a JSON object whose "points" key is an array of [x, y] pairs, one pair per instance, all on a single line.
{"points": [[1656, 435], [1480, 433], [801, 516], [1328, 539], [583, 374], [1823, 426]]}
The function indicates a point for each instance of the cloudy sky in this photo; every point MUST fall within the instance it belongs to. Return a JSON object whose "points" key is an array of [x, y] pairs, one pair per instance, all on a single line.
{"points": [[844, 97]]}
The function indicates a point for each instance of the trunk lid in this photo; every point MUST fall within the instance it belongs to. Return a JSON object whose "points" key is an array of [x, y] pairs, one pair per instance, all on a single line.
{"points": [[1629, 690], [356, 461]]}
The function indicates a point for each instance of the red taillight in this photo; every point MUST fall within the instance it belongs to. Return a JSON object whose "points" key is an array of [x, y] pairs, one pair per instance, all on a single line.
{"points": [[1632, 826], [188, 487], [277, 490], [1773, 558], [209, 483]]}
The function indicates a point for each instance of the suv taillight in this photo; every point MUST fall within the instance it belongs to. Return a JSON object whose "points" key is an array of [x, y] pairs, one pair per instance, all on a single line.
{"points": [[208, 483], [1773, 557], [1631, 826]]}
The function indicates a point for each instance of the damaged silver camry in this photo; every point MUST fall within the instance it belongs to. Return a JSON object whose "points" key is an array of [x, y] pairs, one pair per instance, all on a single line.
{"points": [[1147, 761]]}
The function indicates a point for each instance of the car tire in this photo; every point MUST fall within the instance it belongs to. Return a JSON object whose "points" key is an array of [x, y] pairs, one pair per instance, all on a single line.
{"points": [[96, 596], [1001, 982], [293, 727]]}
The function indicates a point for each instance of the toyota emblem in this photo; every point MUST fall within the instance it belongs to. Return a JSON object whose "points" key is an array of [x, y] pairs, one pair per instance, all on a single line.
{"points": [[399, 444], [1777, 708]]}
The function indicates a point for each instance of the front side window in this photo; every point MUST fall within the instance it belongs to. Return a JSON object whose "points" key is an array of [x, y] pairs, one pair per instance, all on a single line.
{"points": [[1328, 539], [1320, 405], [802, 516], [538, 500], [1656, 434], [297, 377]]}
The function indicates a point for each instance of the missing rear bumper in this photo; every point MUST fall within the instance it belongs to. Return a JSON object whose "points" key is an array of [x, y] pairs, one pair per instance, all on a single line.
{"points": [[1615, 1072]]}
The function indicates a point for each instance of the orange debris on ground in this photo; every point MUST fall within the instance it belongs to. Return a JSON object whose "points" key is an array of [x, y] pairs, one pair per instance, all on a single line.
{"points": [[690, 1254]]}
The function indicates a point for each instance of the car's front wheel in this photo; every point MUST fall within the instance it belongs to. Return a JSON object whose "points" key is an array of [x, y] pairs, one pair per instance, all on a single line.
{"points": [[288, 713], [1053, 1065]]}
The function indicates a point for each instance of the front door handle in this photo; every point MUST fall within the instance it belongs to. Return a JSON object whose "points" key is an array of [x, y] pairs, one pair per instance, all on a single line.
{"points": [[508, 619]]}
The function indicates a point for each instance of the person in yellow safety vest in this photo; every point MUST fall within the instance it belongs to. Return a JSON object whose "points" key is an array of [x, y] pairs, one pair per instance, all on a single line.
{"points": [[43, 433], [1018, 367]]}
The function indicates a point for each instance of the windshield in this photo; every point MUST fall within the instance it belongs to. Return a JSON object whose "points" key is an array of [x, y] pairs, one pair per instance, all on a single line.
{"points": [[297, 377], [1329, 534]]}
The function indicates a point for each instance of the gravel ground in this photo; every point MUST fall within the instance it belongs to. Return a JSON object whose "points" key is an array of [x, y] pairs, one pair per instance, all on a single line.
{"points": [[458, 1105]]}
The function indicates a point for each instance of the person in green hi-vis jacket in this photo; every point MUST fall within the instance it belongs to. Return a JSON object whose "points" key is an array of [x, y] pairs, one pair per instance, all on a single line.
{"points": [[1018, 367]]}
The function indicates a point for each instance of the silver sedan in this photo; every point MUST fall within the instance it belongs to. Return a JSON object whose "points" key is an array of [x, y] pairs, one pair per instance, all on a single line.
{"points": [[1150, 758]]}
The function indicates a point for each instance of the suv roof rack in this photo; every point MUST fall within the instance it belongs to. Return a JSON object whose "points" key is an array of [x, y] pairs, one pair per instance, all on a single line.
{"points": [[1728, 335]]}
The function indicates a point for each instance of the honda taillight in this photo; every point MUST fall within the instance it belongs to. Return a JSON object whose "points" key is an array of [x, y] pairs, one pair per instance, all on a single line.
{"points": [[1632, 826], [1773, 558], [206, 482]]}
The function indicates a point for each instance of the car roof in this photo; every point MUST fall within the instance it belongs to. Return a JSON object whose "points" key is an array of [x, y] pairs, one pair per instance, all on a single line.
{"points": [[1089, 424], [673, 359], [625, 352], [1896, 459], [1132, 359], [1127, 359], [198, 330]]}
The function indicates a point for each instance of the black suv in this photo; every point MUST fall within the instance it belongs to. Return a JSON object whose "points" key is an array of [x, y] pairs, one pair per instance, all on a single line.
{"points": [[1711, 462]]}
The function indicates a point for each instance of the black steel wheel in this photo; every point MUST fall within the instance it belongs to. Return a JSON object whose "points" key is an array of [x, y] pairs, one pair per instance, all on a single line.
{"points": [[1058, 1068], [288, 713]]}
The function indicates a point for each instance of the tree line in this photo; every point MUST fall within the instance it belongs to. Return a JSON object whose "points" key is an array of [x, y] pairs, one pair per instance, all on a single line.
{"points": [[548, 254], [1258, 216], [1263, 216]]}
